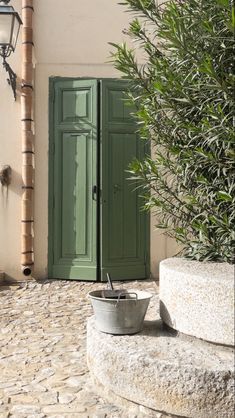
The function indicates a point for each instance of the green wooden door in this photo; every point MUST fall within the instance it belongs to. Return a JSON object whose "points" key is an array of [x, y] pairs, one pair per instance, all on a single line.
{"points": [[124, 227], [73, 174], [85, 240]]}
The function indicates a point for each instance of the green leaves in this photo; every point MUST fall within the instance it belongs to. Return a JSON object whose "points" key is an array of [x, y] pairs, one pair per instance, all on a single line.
{"points": [[225, 197], [135, 27], [233, 17], [183, 94]]}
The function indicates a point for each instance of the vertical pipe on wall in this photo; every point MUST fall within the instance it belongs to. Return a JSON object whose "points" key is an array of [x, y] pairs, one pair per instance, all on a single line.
{"points": [[27, 254]]}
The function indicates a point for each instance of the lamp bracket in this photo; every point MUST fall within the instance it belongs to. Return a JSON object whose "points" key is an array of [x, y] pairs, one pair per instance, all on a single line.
{"points": [[12, 76]]}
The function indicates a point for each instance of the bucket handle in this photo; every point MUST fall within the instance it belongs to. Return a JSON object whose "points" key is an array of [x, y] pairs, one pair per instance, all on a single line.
{"points": [[126, 293]]}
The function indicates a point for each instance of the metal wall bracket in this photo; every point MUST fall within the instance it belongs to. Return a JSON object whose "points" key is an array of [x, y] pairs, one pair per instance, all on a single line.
{"points": [[12, 76]]}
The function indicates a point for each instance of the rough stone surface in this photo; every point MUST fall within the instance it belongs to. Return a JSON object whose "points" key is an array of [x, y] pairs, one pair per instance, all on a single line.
{"points": [[198, 298], [165, 372], [43, 370]]}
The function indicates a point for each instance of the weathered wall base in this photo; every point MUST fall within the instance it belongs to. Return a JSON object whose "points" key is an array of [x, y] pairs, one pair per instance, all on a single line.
{"points": [[2, 276]]}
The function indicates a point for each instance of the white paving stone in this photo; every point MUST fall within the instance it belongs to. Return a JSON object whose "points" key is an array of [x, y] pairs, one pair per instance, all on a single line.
{"points": [[66, 398]]}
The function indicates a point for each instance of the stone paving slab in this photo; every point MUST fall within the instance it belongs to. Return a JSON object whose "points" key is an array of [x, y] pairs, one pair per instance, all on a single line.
{"points": [[43, 370]]}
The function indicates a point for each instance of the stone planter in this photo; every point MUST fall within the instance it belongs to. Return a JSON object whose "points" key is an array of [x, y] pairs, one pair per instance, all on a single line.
{"points": [[197, 298]]}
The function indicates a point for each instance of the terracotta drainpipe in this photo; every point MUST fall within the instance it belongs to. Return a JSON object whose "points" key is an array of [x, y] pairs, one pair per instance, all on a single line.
{"points": [[27, 253]]}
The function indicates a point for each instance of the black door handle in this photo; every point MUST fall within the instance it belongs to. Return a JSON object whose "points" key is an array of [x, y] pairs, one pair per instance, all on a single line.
{"points": [[94, 192]]}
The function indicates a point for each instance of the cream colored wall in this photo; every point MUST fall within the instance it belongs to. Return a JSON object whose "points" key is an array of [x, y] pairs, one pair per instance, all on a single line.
{"points": [[72, 42], [10, 154]]}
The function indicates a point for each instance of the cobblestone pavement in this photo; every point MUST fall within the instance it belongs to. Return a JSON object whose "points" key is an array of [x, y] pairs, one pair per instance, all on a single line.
{"points": [[43, 371]]}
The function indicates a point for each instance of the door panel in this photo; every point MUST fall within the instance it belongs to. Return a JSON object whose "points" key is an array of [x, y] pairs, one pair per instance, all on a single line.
{"points": [[123, 211], [74, 203], [74, 160], [124, 235]]}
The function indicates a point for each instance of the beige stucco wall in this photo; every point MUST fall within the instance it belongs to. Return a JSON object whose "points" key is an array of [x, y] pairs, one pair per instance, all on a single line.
{"points": [[71, 39], [10, 153]]}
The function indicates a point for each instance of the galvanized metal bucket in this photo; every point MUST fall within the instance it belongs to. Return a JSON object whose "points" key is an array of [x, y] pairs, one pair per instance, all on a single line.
{"points": [[121, 315]]}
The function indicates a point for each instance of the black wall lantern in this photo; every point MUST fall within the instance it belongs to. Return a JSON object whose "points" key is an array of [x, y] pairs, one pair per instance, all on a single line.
{"points": [[10, 23]]}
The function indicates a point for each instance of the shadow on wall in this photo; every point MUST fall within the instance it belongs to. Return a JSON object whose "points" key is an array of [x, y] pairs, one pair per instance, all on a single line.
{"points": [[13, 185], [16, 183], [11, 281]]}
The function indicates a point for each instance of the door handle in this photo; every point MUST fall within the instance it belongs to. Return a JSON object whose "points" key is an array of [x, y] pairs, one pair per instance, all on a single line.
{"points": [[94, 192], [116, 188]]}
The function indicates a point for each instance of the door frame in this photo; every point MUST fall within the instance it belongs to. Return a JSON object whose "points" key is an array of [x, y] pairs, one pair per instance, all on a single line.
{"points": [[51, 175]]}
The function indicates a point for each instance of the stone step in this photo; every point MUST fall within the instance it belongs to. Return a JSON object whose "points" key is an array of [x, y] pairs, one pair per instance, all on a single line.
{"points": [[163, 371]]}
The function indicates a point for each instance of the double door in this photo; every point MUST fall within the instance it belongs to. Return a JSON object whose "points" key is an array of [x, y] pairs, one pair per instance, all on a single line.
{"points": [[96, 224]]}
